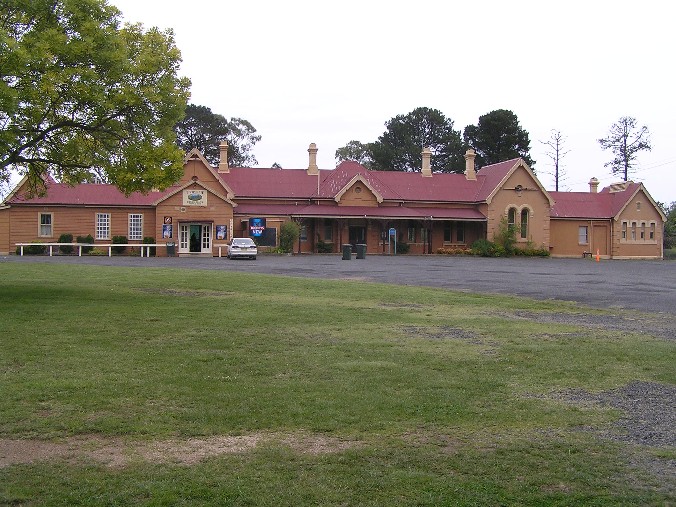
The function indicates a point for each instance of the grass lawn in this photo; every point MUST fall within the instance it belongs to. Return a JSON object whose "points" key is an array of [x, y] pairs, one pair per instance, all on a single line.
{"points": [[184, 387]]}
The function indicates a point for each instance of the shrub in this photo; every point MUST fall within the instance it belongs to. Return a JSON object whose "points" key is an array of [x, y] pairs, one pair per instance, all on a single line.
{"points": [[32, 250], [505, 237], [324, 247], [150, 241], [403, 247], [288, 236], [119, 240], [484, 248], [66, 249], [86, 239]]}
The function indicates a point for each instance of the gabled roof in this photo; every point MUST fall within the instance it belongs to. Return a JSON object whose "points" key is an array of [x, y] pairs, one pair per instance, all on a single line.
{"points": [[175, 190], [606, 204]]}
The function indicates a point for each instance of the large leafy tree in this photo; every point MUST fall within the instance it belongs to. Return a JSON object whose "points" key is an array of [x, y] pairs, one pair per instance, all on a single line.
{"points": [[358, 152], [400, 146], [79, 93], [498, 136], [625, 141], [203, 129], [670, 224]]}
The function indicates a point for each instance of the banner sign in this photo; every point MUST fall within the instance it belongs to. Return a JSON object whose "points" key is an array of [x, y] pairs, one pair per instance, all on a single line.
{"points": [[194, 198], [221, 232], [256, 227]]}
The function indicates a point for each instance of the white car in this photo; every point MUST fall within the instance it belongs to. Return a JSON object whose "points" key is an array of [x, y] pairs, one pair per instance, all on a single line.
{"points": [[242, 247]]}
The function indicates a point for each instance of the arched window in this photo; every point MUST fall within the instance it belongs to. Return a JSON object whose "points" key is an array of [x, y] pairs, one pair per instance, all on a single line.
{"points": [[524, 223], [511, 218]]}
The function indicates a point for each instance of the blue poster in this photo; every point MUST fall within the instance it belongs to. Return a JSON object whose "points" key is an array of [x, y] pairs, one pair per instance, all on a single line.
{"points": [[256, 227]]}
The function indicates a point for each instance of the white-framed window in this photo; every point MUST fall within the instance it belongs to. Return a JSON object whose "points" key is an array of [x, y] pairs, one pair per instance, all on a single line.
{"points": [[652, 230], [423, 235], [46, 229], [135, 226], [583, 235], [303, 232], [103, 226], [642, 231], [411, 234], [624, 230]]}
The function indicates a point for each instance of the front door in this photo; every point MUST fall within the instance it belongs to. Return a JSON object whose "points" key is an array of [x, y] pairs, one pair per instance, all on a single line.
{"points": [[195, 238], [600, 239], [357, 236]]}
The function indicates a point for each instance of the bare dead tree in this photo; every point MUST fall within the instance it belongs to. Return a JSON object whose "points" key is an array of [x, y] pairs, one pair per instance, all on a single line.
{"points": [[556, 151], [625, 140]]}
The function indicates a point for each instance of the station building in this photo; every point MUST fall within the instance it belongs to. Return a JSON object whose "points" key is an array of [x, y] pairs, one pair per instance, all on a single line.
{"points": [[349, 204]]}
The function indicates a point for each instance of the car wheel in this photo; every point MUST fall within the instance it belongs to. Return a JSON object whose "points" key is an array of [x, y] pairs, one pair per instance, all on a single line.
{"points": [[253, 258]]}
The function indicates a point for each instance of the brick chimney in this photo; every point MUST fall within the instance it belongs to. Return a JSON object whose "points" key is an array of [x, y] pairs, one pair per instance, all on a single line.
{"points": [[223, 159], [470, 173], [427, 162], [312, 167], [593, 185]]}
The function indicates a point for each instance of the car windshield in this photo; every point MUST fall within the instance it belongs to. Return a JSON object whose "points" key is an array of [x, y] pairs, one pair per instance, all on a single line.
{"points": [[243, 242]]}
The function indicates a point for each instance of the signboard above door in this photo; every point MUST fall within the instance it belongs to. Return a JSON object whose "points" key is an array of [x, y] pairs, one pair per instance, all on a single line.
{"points": [[194, 198]]}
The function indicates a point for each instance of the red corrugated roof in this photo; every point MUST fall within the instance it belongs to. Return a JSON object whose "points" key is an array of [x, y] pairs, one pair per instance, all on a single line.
{"points": [[297, 184], [391, 185], [601, 205], [89, 194], [321, 210]]}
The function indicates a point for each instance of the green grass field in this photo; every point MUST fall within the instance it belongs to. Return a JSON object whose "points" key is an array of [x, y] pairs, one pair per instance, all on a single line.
{"points": [[183, 387]]}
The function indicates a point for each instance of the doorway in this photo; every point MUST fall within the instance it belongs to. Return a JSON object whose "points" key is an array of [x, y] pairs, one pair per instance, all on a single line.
{"points": [[357, 236], [195, 238]]}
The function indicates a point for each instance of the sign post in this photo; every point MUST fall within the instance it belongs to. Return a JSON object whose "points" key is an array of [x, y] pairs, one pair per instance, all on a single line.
{"points": [[392, 233]]}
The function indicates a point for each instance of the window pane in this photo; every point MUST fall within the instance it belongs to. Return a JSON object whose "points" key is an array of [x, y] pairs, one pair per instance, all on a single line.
{"points": [[582, 235], [447, 232], [460, 232], [103, 226], [135, 226], [45, 224], [524, 223]]}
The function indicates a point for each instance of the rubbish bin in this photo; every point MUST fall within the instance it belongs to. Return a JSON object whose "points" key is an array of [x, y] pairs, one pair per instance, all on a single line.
{"points": [[361, 251], [171, 249], [347, 252]]}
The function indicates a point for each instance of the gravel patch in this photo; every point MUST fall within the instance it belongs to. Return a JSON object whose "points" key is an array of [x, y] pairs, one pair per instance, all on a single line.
{"points": [[657, 325], [648, 421]]}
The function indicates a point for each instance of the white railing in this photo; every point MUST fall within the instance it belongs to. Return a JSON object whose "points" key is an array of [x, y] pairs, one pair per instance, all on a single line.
{"points": [[110, 246], [80, 246]]}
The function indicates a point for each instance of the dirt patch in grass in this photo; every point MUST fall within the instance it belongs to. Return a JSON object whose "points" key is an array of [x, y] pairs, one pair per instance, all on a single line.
{"points": [[453, 333], [186, 293], [116, 452]]}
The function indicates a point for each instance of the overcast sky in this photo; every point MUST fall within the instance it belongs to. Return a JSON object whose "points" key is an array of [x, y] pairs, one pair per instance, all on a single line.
{"points": [[332, 71]]}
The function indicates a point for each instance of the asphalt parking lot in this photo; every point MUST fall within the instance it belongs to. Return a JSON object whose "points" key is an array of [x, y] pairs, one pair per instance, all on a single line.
{"points": [[640, 285]]}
